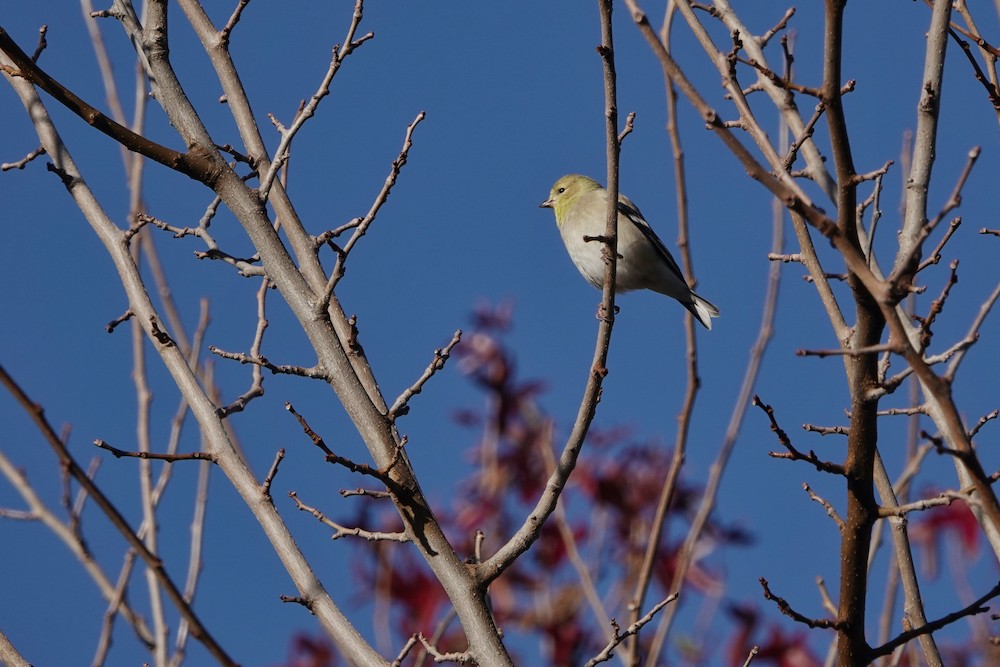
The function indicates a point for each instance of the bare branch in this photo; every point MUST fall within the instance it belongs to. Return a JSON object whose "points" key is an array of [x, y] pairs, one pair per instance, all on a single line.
{"points": [[257, 385], [370, 493], [195, 163], [935, 255], [887, 347], [342, 531], [118, 521], [971, 610], [169, 458], [314, 372], [281, 154], [787, 610], [462, 658], [960, 348], [937, 306], [619, 636], [982, 422], [403, 652], [530, 529], [629, 126], [227, 30], [826, 430], [955, 199], [23, 162], [794, 454], [778, 27], [124, 317], [441, 355], [363, 223], [381, 474], [265, 487], [830, 511]]}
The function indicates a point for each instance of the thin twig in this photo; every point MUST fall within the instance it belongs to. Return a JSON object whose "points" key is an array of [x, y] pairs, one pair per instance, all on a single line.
{"points": [[265, 487], [933, 626], [117, 520], [287, 134], [530, 529], [787, 610], [619, 636], [170, 458], [830, 511], [441, 355], [343, 531], [363, 223], [23, 162], [793, 453], [461, 658], [227, 30]]}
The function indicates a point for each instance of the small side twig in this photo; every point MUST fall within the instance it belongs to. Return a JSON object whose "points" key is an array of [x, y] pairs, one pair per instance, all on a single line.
{"points": [[256, 389], [362, 227], [778, 27], [935, 255], [23, 162], [885, 347], [441, 355], [381, 474], [227, 30], [462, 658], [169, 458], [313, 372], [787, 610], [824, 595], [933, 626], [830, 511], [793, 453], [42, 43], [340, 52], [265, 487], [343, 531], [403, 652], [826, 430], [124, 317], [370, 493], [619, 636], [937, 305], [297, 599], [629, 126], [982, 422]]}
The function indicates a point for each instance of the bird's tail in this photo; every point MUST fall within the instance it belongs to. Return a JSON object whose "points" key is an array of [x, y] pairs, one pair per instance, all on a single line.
{"points": [[703, 310]]}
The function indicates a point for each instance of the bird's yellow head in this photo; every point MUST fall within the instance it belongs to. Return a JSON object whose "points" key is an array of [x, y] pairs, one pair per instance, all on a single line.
{"points": [[566, 191]]}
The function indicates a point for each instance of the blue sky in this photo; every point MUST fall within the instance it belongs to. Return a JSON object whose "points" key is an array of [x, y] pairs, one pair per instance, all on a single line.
{"points": [[513, 96]]}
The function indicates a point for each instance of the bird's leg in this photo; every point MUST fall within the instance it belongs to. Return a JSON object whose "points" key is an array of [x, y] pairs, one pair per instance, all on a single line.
{"points": [[602, 315]]}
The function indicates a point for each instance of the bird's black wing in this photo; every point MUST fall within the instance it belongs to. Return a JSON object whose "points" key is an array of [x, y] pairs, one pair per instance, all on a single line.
{"points": [[631, 211]]}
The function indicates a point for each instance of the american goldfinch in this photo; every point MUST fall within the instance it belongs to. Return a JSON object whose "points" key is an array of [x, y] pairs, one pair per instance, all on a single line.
{"points": [[580, 205]]}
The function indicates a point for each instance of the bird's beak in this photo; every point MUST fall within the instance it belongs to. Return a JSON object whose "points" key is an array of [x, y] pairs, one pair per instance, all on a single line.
{"points": [[548, 203]]}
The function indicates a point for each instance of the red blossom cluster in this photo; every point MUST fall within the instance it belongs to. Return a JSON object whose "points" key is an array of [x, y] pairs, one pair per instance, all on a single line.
{"points": [[540, 604]]}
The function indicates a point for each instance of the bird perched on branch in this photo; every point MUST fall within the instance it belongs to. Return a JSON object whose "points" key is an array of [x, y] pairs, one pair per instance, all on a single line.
{"points": [[581, 209]]}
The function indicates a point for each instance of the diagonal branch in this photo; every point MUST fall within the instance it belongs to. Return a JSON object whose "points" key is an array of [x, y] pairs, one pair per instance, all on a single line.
{"points": [[340, 52], [489, 570], [933, 626], [154, 564], [362, 224], [402, 404], [631, 631], [194, 163]]}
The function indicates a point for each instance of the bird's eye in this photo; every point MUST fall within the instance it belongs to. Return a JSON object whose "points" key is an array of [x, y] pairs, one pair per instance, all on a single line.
{"points": [[560, 191]]}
